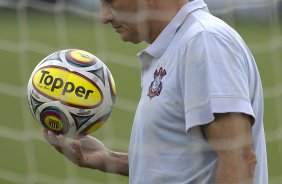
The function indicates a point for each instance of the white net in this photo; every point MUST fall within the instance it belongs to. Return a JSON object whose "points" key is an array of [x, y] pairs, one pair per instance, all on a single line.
{"points": [[30, 30]]}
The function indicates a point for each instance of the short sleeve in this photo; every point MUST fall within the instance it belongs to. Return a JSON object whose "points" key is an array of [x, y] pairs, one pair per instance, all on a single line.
{"points": [[214, 79]]}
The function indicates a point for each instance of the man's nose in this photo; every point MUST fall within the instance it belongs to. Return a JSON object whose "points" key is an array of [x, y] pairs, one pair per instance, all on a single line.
{"points": [[106, 15]]}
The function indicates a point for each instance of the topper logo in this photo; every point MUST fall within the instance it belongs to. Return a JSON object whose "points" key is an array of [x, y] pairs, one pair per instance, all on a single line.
{"points": [[71, 88]]}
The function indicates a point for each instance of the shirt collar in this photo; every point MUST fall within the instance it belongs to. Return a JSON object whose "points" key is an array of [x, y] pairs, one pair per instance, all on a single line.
{"points": [[157, 48]]}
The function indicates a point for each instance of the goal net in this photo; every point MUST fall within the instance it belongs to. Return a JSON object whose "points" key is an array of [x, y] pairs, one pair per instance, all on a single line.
{"points": [[32, 29]]}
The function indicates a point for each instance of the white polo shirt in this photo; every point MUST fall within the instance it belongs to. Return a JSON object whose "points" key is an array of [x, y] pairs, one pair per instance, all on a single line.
{"points": [[197, 66]]}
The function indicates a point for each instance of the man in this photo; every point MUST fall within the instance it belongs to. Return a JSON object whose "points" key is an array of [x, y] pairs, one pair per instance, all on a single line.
{"points": [[200, 116]]}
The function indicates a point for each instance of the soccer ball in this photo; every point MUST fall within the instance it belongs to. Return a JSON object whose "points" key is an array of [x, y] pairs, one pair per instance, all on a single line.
{"points": [[71, 92]]}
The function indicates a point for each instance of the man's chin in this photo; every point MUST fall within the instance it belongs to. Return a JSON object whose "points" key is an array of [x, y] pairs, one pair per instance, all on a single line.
{"points": [[126, 38]]}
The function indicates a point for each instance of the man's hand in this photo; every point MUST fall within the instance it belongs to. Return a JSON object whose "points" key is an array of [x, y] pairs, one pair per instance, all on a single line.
{"points": [[86, 151]]}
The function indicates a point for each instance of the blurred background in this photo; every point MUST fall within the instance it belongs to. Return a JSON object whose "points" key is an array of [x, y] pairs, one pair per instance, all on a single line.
{"points": [[32, 29]]}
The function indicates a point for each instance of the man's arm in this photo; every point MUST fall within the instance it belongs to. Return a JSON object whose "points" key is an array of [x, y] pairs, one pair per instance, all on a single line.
{"points": [[118, 163], [230, 135]]}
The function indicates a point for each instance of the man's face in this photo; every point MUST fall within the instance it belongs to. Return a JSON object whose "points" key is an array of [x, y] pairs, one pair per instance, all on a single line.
{"points": [[125, 16]]}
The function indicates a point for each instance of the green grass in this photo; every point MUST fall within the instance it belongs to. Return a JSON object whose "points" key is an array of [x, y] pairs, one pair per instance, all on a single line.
{"points": [[78, 32]]}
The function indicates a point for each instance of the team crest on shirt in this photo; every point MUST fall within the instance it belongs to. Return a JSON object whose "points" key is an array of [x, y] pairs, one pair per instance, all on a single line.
{"points": [[156, 86]]}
